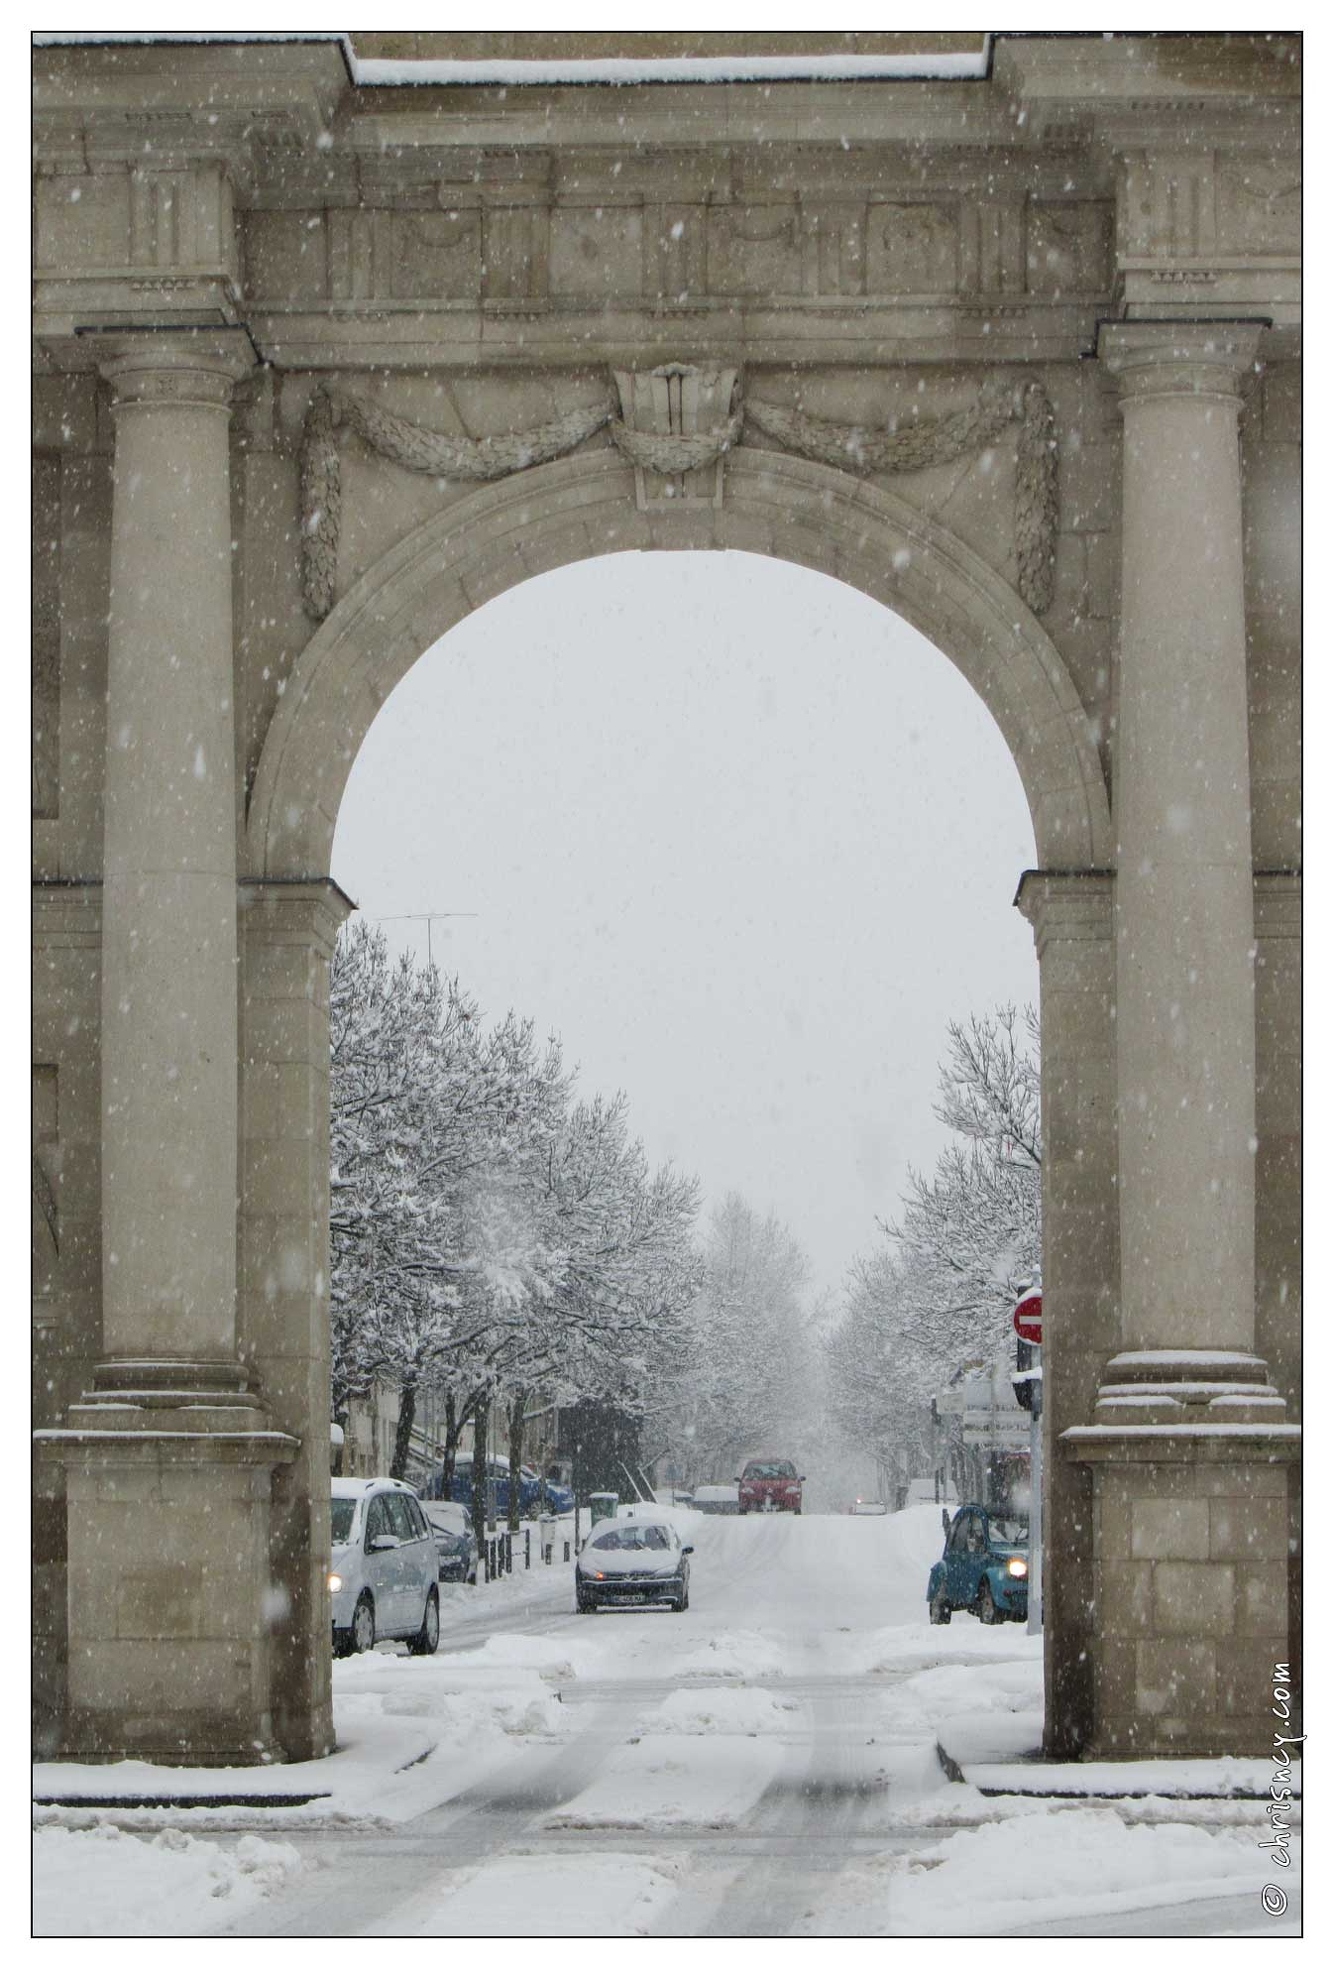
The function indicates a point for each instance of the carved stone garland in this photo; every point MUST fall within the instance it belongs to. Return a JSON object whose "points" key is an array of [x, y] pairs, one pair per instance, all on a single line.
{"points": [[850, 448]]}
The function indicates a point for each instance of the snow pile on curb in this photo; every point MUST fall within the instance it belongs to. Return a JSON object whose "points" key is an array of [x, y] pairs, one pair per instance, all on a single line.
{"points": [[1085, 1862], [106, 1882], [411, 1734]]}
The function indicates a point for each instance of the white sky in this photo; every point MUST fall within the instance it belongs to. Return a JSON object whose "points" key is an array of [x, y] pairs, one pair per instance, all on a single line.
{"points": [[735, 831]]}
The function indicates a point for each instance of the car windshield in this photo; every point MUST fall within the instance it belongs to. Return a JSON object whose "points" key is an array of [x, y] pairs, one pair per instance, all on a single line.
{"points": [[770, 1470], [632, 1538], [344, 1510], [1009, 1531], [446, 1517]]}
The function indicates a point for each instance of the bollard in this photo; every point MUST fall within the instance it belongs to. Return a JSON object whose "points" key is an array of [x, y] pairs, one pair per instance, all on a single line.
{"points": [[527, 1551], [509, 1551], [567, 1551]]}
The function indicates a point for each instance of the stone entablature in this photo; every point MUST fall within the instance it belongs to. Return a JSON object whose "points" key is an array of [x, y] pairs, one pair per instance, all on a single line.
{"points": [[958, 214]]}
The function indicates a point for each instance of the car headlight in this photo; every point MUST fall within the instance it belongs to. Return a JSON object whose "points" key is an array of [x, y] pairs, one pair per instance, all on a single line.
{"points": [[1018, 1568], [335, 1582]]}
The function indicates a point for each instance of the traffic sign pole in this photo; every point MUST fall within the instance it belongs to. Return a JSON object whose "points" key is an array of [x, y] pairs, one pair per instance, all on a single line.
{"points": [[1035, 1514], [1028, 1325]]}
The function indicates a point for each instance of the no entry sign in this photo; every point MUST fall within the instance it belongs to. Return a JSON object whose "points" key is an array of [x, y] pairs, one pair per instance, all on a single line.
{"points": [[1028, 1318]]}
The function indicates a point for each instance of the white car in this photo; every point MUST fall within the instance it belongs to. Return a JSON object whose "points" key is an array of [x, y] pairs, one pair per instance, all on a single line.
{"points": [[383, 1568], [633, 1562]]}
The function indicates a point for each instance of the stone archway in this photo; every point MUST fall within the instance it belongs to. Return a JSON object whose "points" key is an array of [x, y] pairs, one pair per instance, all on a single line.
{"points": [[222, 230]]}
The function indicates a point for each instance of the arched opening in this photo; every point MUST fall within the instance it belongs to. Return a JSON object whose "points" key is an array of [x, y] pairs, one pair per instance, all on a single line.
{"points": [[732, 829], [481, 546]]}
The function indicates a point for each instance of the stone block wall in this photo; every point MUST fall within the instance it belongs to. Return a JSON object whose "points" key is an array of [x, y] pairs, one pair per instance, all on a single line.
{"points": [[1192, 1596]]}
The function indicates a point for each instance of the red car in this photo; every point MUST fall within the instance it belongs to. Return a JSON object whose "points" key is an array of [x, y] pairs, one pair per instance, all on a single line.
{"points": [[767, 1484]]}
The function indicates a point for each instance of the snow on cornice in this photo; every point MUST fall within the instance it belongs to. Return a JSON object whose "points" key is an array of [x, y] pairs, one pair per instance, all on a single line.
{"points": [[622, 71]]}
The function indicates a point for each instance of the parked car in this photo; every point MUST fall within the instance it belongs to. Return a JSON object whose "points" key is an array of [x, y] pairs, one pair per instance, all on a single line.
{"points": [[769, 1484], [636, 1561], [455, 1540], [716, 1498], [383, 1569], [867, 1507], [984, 1568], [537, 1494]]}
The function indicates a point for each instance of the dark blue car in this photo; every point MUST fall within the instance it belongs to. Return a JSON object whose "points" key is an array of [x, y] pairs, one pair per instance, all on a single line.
{"points": [[536, 1494], [984, 1567]]}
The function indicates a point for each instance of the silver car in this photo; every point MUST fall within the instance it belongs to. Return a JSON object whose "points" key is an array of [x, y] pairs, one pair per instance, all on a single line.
{"points": [[383, 1568], [637, 1561]]}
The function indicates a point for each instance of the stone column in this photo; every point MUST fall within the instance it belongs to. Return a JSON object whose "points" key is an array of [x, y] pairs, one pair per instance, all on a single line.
{"points": [[1188, 1440], [1185, 929], [169, 895], [169, 1459]]}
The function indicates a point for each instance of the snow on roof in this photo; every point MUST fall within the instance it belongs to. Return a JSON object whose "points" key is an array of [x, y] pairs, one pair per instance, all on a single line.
{"points": [[690, 68], [518, 72]]}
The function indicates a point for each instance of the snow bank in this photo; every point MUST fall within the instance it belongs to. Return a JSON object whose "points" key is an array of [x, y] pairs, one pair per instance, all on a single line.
{"points": [[903, 1650], [555, 1660], [1082, 1863], [411, 1735], [955, 1689], [107, 1882]]}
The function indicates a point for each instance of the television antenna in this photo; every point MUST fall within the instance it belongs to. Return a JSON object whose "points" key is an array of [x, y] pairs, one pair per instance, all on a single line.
{"points": [[428, 917]]}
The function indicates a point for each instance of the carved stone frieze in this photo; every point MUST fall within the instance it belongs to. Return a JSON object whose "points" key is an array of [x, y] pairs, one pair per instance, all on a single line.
{"points": [[676, 425]]}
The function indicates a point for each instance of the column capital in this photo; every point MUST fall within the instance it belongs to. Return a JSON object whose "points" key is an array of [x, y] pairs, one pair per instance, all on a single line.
{"points": [[1179, 358], [180, 365]]}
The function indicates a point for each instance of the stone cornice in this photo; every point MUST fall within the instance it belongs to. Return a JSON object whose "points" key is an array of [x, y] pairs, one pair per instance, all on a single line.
{"points": [[283, 909], [1067, 905], [213, 98]]}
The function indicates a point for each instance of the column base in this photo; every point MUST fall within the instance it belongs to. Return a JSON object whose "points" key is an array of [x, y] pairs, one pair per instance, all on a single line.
{"points": [[170, 1601], [1191, 1467], [1172, 1386]]}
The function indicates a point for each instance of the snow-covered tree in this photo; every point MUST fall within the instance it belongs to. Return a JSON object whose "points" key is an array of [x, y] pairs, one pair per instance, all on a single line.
{"points": [[486, 1235], [971, 1235], [439, 1133], [747, 1383], [938, 1294]]}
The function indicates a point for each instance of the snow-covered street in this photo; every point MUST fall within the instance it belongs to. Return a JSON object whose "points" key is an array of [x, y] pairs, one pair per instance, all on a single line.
{"points": [[763, 1764]]}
